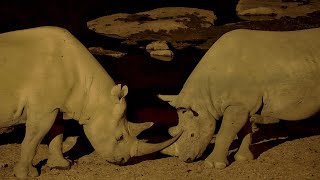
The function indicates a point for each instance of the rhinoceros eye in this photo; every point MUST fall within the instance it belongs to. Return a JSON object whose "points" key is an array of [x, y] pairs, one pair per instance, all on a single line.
{"points": [[183, 110], [120, 138], [194, 113]]}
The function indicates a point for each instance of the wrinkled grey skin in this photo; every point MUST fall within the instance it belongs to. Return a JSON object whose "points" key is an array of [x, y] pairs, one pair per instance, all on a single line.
{"points": [[258, 75], [46, 69]]}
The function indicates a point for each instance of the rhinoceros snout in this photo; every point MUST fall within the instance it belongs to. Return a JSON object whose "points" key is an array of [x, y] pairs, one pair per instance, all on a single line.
{"points": [[122, 161], [189, 160]]}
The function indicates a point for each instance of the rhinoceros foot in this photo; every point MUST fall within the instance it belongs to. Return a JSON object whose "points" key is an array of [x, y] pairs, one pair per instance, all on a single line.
{"points": [[244, 153], [216, 162], [217, 165], [60, 163], [21, 172], [243, 157]]}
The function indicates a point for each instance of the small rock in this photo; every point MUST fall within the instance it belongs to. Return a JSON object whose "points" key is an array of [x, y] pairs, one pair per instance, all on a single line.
{"points": [[157, 45], [3, 165], [101, 51], [164, 55]]}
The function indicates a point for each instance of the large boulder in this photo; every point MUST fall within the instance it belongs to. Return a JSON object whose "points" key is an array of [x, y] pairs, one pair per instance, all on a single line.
{"points": [[183, 23], [275, 9]]}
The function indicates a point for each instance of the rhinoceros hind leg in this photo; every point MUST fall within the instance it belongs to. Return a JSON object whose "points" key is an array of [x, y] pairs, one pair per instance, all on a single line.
{"points": [[23, 172], [244, 152], [234, 119], [37, 125], [55, 158]]}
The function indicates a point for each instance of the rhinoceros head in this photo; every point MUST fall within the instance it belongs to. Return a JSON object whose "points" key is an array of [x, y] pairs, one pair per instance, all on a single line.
{"points": [[197, 127], [114, 138]]}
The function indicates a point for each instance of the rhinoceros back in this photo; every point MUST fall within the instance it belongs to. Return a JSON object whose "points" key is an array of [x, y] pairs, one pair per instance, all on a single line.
{"points": [[42, 63], [263, 53], [281, 67]]}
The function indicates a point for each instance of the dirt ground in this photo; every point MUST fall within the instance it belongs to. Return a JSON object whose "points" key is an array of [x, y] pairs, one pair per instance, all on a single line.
{"points": [[292, 159], [298, 159]]}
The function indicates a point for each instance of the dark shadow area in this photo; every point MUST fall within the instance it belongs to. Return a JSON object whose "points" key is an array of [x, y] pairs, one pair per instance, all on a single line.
{"points": [[15, 135], [271, 135]]}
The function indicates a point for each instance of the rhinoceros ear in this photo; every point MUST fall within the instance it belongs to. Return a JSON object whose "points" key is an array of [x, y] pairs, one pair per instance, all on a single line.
{"points": [[119, 93], [124, 91], [171, 99], [115, 91]]}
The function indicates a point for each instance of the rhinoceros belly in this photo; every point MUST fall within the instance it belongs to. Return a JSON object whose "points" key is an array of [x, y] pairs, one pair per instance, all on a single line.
{"points": [[294, 101]]}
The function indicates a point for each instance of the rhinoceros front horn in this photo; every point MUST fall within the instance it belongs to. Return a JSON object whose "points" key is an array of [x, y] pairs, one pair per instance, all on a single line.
{"points": [[147, 148]]}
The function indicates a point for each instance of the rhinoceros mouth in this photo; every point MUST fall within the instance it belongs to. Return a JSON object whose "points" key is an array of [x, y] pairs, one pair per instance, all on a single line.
{"points": [[120, 162]]}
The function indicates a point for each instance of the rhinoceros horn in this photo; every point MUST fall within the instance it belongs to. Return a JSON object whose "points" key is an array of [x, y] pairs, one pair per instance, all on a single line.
{"points": [[136, 128], [143, 148], [171, 150], [171, 99]]}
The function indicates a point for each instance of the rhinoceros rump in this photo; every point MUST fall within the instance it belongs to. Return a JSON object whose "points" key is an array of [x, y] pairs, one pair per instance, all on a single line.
{"points": [[46, 69], [246, 74]]}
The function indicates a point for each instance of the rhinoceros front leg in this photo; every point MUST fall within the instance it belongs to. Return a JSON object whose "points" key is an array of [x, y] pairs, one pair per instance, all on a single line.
{"points": [[55, 158], [37, 125], [244, 152], [235, 117]]}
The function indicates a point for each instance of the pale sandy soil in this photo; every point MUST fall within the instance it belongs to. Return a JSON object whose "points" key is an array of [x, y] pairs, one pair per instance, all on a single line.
{"points": [[297, 159]]}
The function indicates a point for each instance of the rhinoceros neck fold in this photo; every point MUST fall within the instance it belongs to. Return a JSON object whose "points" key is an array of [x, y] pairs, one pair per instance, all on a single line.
{"points": [[91, 85], [91, 97], [199, 96]]}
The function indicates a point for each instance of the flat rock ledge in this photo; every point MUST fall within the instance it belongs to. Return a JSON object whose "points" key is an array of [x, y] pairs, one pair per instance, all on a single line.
{"points": [[157, 24], [275, 9]]}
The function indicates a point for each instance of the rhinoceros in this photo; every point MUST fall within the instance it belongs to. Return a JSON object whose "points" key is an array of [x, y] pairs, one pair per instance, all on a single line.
{"points": [[44, 70], [246, 75]]}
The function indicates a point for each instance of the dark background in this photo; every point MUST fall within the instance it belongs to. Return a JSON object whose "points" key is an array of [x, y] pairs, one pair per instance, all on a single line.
{"points": [[73, 14], [145, 77]]}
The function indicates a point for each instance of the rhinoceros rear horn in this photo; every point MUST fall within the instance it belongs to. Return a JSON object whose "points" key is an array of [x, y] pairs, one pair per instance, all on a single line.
{"points": [[173, 130], [136, 128], [171, 150], [147, 148], [171, 99]]}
